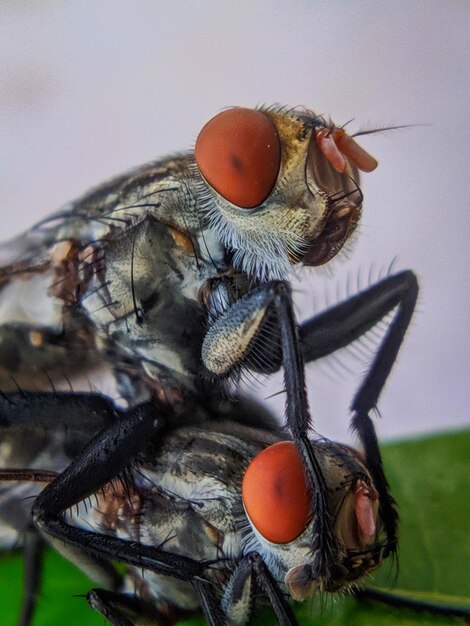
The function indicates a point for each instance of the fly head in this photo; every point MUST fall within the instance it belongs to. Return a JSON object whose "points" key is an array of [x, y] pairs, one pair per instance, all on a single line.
{"points": [[279, 506], [279, 187]]}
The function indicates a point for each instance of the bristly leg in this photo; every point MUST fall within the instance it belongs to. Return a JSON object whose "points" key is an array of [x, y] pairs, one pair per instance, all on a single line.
{"points": [[251, 573], [121, 609], [32, 577], [341, 325], [399, 601], [229, 344]]}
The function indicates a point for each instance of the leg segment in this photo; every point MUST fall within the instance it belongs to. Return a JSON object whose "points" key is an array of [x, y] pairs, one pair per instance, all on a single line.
{"points": [[104, 458], [344, 323], [237, 335], [124, 610], [229, 342], [251, 572], [398, 601], [29, 419], [208, 602], [341, 325], [32, 578]]}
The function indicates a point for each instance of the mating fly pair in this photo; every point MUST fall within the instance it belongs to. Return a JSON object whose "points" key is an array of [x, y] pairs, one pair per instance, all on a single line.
{"points": [[175, 275]]}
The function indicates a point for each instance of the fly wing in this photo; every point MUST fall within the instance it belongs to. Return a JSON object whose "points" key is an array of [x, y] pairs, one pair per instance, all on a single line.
{"points": [[40, 330], [28, 250], [47, 272], [42, 276]]}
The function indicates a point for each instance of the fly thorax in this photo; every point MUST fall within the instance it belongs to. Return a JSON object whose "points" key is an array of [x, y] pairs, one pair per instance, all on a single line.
{"points": [[144, 301]]}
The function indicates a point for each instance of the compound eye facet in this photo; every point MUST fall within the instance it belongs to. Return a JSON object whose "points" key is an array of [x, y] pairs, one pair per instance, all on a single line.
{"points": [[275, 493], [239, 154]]}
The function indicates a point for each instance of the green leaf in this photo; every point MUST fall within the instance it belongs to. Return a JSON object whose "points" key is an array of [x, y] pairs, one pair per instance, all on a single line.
{"points": [[430, 479]]}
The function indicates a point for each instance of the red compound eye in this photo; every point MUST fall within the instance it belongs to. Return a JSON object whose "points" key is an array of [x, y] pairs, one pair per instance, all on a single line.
{"points": [[275, 493], [239, 154]]}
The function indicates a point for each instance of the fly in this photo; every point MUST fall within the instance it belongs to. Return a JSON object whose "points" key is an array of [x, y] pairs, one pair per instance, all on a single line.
{"points": [[226, 506], [127, 272], [176, 275]]}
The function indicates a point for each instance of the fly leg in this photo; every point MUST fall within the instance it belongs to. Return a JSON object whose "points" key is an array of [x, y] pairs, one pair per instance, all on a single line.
{"points": [[106, 457], [237, 602], [342, 324], [99, 570], [122, 437], [26, 419], [113, 606], [239, 337], [122, 609], [207, 601], [398, 601], [265, 317], [32, 577], [125, 610]]}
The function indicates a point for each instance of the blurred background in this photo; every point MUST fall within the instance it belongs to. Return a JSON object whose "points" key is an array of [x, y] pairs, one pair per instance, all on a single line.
{"points": [[89, 89]]}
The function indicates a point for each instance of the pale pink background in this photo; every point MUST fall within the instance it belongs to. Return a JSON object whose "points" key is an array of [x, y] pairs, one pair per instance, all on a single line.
{"points": [[88, 89]]}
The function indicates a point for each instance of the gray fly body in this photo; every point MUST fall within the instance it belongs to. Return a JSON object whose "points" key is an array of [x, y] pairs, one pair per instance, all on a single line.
{"points": [[116, 275], [175, 275], [190, 501], [119, 272], [187, 493]]}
